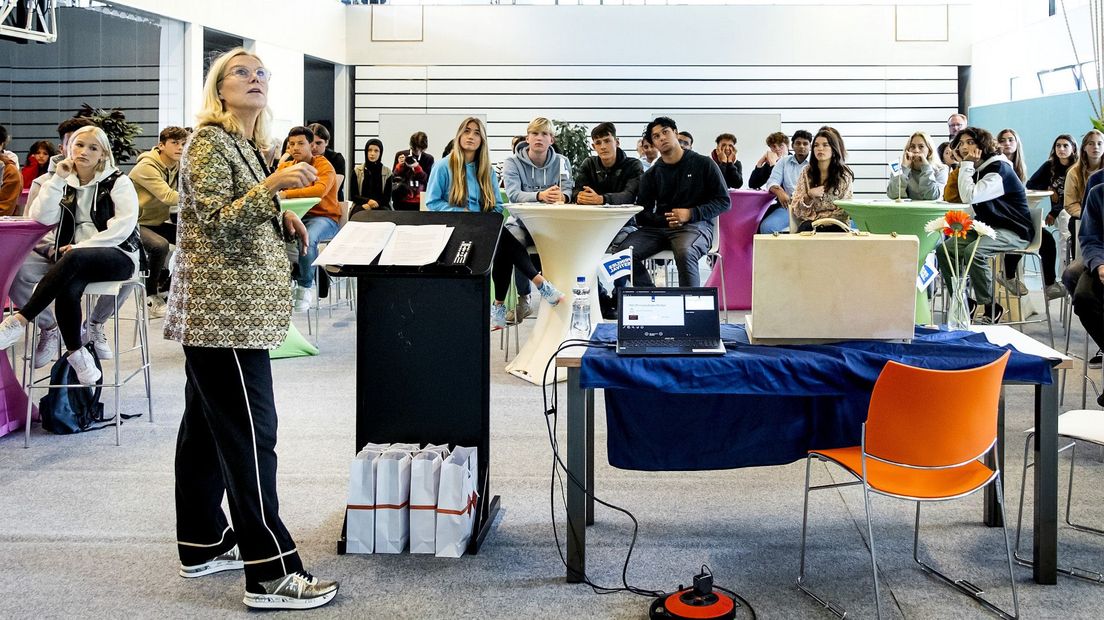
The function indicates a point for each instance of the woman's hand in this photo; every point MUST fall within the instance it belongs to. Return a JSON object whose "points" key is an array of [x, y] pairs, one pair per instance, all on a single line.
{"points": [[295, 176], [65, 168], [372, 204], [296, 230], [816, 192]]}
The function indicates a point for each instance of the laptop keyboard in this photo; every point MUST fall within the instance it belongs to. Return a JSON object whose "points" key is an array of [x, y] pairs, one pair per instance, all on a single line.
{"points": [[689, 343]]}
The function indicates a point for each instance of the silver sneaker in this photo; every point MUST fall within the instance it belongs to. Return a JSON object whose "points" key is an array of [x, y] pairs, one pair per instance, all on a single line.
{"points": [[231, 560], [298, 590], [98, 339], [47, 348], [10, 331], [156, 307], [85, 367]]}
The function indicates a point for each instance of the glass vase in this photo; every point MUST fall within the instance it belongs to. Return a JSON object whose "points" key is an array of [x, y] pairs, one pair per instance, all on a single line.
{"points": [[958, 312]]}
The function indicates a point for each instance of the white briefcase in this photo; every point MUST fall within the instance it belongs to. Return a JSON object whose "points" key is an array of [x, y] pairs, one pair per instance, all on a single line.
{"points": [[825, 287]]}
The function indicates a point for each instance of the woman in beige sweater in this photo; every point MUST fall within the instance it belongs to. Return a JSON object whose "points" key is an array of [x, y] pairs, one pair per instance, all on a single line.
{"points": [[824, 181]]}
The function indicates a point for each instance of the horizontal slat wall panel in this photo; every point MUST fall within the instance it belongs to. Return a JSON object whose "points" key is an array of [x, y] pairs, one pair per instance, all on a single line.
{"points": [[875, 107], [108, 62]]}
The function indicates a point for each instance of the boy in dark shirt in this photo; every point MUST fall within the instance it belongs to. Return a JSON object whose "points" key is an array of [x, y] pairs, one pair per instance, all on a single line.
{"points": [[681, 194]]}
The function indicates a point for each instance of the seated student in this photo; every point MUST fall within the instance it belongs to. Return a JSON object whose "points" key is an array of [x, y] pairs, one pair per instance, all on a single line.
{"points": [[321, 146], [725, 157], [987, 181], [467, 182], [783, 182], [38, 161], [685, 140], [921, 175], [1084, 279], [646, 153], [95, 209], [373, 180], [11, 177], [681, 194], [154, 178], [534, 173], [823, 182], [778, 146], [608, 178], [321, 221], [409, 174], [1051, 176]]}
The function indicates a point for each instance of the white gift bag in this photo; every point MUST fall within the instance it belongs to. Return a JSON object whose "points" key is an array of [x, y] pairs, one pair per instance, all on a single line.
{"points": [[456, 500], [425, 480], [360, 513], [392, 501]]}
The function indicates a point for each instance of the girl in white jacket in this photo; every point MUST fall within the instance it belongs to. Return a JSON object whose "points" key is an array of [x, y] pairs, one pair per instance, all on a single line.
{"points": [[95, 209]]}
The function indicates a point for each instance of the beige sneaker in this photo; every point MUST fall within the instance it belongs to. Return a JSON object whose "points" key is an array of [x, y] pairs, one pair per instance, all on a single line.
{"points": [[231, 560], [157, 307], [299, 590]]}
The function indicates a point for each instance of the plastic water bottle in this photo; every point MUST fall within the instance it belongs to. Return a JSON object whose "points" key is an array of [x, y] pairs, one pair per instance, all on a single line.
{"points": [[580, 309]]}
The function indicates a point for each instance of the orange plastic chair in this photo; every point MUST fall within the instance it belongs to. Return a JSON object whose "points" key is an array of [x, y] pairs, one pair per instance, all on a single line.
{"points": [[925, 437]]}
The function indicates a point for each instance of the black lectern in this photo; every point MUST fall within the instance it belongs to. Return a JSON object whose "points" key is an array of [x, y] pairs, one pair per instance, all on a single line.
{"points": [[422, 347]]}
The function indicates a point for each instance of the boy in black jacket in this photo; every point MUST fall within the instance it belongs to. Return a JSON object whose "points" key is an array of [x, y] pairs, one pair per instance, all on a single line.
{"points": [[610, 177], [681, 194]]}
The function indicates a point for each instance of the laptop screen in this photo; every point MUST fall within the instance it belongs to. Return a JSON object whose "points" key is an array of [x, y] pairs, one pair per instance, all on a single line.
{"points": [[657, 313]]}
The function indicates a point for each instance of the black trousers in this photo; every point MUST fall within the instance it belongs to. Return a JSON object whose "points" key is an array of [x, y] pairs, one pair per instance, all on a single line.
{"points": [[1088, 299], [156, 240], [1048, 255], [64, 284], [509, 254], [227, 444]]}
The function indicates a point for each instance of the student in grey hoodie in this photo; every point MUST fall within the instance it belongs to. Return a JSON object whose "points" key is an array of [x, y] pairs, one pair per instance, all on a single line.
{"points": [[535, 173]]}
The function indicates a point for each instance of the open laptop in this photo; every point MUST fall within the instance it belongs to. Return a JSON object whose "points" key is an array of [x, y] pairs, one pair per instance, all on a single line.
{"points": [[668, 321]]}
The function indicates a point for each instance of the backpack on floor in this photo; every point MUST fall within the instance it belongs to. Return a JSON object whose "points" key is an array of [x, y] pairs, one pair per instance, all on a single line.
{"points": [[67, 410]]}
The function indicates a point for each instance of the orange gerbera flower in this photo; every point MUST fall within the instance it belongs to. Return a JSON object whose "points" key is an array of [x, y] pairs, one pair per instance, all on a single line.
{"points": [[958, 224]]}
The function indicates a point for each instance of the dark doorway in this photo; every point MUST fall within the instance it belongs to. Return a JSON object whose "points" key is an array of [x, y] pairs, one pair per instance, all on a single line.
{"points": [[318, 91]]}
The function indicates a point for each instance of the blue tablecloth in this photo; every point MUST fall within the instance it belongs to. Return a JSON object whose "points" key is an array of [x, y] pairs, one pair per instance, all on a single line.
{"points": [[762, 405]]}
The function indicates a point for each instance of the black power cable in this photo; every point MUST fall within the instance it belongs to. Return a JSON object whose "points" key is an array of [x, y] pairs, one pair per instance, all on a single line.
{"points": [[551, 418]]}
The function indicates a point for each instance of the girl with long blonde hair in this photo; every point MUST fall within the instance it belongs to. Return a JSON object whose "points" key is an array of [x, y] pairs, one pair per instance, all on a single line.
{"points": [[469, 183], [921, 175]]}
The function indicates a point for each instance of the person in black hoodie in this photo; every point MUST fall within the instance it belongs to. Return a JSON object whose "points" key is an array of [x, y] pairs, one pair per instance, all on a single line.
{"points": [[999, 200], [610, 177], [681, 194], [725, 156]]}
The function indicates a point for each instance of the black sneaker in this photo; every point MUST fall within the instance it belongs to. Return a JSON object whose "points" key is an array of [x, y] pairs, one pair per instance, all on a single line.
{"points": [[994, 311], [1094, 361], [299, 590]]}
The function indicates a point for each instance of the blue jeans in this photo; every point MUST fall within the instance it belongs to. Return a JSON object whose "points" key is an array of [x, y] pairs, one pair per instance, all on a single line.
{"points": [[319, 228], [778, 220]]}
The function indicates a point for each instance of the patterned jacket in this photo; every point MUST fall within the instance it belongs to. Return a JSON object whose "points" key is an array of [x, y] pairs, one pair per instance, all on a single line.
{"points": [[231, 287]]}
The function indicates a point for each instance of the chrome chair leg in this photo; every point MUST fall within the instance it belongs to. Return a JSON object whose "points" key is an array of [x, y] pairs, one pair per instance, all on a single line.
{"points": [[964, 586], [1070, 571], [873, 554], [840, 612]]}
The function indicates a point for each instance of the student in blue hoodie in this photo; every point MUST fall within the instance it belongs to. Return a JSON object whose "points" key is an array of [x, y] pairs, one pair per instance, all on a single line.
{"points": [[535, 173], [467, 182]]}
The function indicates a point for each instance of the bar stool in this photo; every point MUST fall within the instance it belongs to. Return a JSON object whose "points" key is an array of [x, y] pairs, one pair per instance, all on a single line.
{"points": [[116, 288]]}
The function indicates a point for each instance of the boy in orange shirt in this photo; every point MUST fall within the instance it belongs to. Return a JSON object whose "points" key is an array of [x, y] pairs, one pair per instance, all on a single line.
{"points": [[322, 220]]}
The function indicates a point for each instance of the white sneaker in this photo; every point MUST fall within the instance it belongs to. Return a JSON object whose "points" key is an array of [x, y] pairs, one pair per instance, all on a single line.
{"points": [[99, 340], [10, 331], [304, 299], [85, 367], [47, 348], [156, 305]]}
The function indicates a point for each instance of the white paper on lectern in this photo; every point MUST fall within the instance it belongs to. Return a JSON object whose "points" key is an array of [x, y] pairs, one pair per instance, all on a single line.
{"points": [[357, 243], [416, 245]]}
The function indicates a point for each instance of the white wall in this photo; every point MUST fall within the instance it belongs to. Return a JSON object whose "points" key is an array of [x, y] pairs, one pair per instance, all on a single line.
{"points": [[1019, 40], [761, 34], [285, 90], [278, 22]]}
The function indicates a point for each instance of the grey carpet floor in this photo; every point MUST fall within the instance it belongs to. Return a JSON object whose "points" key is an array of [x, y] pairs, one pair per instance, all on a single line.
{"points": [[87, 528]]}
